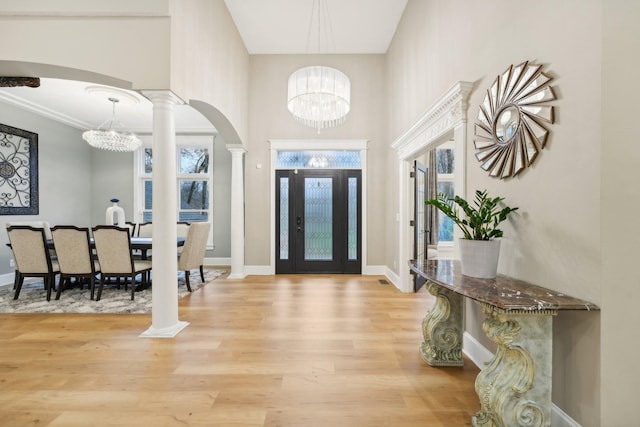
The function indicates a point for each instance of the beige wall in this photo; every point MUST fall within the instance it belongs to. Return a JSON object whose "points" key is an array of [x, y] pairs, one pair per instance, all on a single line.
{"points": [[554, 240], [620, 203], [270, 119], [210, 64]]}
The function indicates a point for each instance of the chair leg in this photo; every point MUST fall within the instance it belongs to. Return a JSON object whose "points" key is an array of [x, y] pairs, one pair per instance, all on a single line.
{"points": [[187, 273], [61, 285], [133, 285], [16, 276], [100, 287], [20, 280], [48, 283], [92, 283], [202, 273]]}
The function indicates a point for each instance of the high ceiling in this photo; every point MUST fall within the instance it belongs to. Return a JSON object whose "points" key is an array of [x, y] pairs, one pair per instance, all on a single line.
{"points": [[291, 26], [266, 27]]}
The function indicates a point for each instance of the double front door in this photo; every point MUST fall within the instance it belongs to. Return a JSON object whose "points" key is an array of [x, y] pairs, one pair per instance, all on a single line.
{"points": [[318, 221]]}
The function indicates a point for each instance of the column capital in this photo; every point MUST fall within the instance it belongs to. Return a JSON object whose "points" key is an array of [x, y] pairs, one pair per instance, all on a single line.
{"points": [[236, 148], [155, 95]]}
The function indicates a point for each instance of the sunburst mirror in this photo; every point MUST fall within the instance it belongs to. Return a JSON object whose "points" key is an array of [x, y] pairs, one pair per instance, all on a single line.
{"points": [[513, 120]]}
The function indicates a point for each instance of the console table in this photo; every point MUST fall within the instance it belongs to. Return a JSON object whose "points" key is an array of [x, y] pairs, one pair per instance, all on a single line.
{"points": [[515, 387]]}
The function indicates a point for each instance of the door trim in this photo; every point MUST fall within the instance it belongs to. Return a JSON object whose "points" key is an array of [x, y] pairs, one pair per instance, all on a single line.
{"points": [[317, 144]]}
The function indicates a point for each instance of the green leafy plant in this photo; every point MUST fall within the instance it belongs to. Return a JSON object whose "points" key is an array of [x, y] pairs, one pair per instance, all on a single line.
{"points": [[481, 219]]}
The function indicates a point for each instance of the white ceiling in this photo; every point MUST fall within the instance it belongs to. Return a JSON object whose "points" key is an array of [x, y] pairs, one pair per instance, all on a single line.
{"points": [[266, 27], [283, 26]]}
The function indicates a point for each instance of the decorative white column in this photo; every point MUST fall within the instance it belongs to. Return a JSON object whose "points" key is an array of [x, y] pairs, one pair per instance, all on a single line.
{"points": [[164, 311], [237, 211]]}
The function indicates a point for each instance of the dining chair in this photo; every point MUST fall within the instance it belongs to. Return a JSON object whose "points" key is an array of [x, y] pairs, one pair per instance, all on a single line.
{"points": [[133, 227], [145, 229], [195, 245], [113, 247], [182, 231], [73, 248], [32, 257]]}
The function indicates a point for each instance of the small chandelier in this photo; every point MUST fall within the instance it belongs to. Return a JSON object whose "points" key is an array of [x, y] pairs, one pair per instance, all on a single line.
{"points": [[108, 138], [318, 96]]}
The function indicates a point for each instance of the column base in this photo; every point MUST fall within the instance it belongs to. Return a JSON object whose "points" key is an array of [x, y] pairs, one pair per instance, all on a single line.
{"points": [[169, 332], [236, 276]]}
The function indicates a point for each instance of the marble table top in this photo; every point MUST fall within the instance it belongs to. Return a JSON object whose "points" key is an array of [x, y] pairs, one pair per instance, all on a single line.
{"points": [[502, 292]]}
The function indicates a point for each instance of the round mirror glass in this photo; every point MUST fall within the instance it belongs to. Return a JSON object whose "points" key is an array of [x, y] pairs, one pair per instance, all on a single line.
{"points": [[507, 122]]}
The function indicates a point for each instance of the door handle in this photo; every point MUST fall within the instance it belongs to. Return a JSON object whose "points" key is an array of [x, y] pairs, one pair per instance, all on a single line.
{"points": [[299, 223]]}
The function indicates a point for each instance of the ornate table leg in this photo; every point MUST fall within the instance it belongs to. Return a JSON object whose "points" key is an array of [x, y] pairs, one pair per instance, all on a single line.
{"points": [[442, 328], [515, 387]]}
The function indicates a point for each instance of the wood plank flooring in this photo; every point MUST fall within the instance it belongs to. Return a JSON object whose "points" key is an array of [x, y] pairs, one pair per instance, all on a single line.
{"points": [[292, 350]]}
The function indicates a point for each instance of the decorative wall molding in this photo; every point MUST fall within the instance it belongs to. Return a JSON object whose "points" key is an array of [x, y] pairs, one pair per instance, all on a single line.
{"points": [[448, 112], [446, 119]]}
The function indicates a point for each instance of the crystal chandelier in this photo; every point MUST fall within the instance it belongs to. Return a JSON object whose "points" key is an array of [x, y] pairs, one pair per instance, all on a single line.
{"points": [[107, 137], [318, 96]]}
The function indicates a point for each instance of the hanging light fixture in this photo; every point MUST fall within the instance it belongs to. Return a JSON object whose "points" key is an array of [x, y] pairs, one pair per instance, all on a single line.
{"points": [[111, 135], [318, 96]]}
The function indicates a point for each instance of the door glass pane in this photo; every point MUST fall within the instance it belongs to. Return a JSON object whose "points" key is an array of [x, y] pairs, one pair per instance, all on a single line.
{"points": [[194, 160], [318, 214], [420, 222], [194, 195], [284, 218], [445, 224], [352, 226]]}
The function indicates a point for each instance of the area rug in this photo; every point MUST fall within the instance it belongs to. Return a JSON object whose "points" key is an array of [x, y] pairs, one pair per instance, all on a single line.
{"points": [[33, 297]]}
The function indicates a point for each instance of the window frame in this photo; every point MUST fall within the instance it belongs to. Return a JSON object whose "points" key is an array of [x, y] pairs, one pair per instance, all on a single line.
{"points": [[447, 177], [140, 176]]}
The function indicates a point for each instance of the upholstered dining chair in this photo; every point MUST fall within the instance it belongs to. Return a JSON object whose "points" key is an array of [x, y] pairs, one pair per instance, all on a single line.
{"points": [[145, 229], [195, 245], [73, 248], [113, 247], [32, 257], [182, 230]]}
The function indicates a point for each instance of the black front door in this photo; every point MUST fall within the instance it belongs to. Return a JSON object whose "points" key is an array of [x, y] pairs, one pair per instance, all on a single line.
{"points": [[318, 221], [420, 220]]}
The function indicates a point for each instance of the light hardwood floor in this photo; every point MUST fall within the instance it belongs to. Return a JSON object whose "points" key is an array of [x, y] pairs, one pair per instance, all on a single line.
{"points": [[307, 350]]}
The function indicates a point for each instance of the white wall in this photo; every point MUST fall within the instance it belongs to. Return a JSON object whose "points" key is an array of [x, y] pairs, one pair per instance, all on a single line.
{"points": [[554, 240]]}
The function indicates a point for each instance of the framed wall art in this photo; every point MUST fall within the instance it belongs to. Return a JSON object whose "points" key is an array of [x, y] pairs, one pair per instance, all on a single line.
{"points": [[18, 171]]}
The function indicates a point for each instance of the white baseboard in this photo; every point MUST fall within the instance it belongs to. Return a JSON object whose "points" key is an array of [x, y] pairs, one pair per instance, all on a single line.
{"points": [[258, 270], [374, 270], [480, 356], [217, 261], [393, 277]]}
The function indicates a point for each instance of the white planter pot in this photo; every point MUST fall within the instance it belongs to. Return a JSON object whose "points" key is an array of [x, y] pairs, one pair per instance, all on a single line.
{"points": [[479, 258]]}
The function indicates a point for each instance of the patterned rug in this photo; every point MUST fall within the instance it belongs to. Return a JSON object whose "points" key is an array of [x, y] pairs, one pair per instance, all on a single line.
{"points": [[33, 297]]}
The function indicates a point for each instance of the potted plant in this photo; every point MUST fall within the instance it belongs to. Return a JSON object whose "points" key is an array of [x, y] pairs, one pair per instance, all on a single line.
{"points": [[480, 247]]}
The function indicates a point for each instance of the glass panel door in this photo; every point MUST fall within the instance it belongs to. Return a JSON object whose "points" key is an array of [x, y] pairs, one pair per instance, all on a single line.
{"points": [[318, 221]]}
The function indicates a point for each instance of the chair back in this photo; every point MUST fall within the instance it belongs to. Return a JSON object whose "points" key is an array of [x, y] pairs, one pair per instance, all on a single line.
{"points": [[195, 246], [145, 229], [29, 247], [113, 247], [133, 228], [73, 249], [183, 228], [35, 224]]}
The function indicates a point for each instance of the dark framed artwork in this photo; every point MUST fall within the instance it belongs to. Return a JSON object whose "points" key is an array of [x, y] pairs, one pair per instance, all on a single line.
{"points": [[18, 171]]}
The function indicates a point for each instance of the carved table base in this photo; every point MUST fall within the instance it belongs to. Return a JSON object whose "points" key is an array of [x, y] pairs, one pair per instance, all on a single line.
{"points": [[515, 387], [442, 328]]}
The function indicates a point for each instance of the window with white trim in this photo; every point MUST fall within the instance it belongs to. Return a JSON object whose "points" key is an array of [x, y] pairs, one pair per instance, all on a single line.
{"points": [[194, 173], [445, 156]]}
